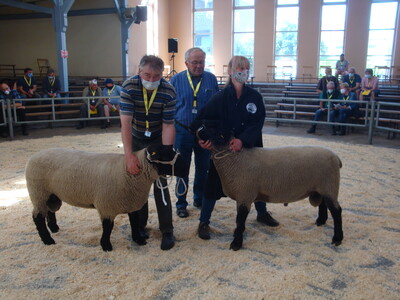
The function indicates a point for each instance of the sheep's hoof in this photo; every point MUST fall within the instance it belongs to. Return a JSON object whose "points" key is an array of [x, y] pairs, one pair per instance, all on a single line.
{"points": [[140, 240], [48, 241], [236, 245], [337, 240], [320, 222], [106, 246], [53, 227]]}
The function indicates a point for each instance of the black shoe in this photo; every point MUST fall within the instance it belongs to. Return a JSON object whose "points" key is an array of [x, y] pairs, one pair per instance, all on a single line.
{"points": [[25, 132], [197, 204], [267, 219], [168, 241], [108, 124], [182, 212], [334, 133], [80, 126], [204, 231], [311, 130], [103, 126]]}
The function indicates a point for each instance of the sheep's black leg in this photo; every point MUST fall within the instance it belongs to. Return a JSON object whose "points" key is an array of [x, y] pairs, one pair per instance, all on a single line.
{"points": [[40, 222], [336, 213], [105, 238], [137, 237], [322, 214], [241, 217], [52, 222]]}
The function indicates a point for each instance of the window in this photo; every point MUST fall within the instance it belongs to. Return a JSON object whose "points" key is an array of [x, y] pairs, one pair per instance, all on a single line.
{"points": [[333, 23], [381, 36], [203, 23], [286, 28], [243, 30]]}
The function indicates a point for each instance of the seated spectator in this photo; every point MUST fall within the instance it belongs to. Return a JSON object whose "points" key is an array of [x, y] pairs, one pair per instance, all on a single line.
{"points": [[51, 86], [343, 110], [324, 81], [7, 93], [342, 66], [354, 81], [26, 85], [369, 85], [111, 104], [330, 93], [95, 105]]}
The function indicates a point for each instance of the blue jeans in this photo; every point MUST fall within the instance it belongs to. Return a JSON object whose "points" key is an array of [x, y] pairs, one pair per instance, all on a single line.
{"points": [[208, 207], [186, 143]]}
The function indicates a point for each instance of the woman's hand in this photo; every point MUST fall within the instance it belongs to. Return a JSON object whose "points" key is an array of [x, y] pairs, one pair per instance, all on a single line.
{"points": [[235, 145], [205, 144]]}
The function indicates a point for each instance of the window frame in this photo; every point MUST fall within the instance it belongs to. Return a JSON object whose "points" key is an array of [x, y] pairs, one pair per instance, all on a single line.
{"points": [[321, 69], [282, 72]]}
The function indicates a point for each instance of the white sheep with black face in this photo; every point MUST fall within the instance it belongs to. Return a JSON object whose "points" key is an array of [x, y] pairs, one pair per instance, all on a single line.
{"points": [[277, 175], [93, 180]]}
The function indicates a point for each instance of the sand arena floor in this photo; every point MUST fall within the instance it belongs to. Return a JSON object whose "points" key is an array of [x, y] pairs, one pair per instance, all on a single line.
{"points": [[292, 261]]}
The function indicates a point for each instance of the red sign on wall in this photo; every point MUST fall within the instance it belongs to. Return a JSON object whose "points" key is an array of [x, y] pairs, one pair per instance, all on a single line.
{"points": [[64, 53]]}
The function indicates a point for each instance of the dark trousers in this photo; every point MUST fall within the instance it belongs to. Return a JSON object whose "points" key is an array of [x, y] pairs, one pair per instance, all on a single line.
{"points": [[164, 211], [84, 112]]}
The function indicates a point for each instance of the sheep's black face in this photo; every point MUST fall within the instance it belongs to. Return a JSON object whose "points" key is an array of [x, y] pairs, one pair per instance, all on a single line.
{"points": [[213, 131], [167, 160]]}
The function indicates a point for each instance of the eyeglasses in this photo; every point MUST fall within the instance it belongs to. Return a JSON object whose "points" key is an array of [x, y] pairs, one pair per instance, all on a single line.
{"points": [[196, 63]]}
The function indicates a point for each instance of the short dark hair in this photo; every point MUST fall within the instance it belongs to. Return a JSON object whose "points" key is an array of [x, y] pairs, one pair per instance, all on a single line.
{"points": [[50, 71], [369, 71], [26, 70], [153, 62]]}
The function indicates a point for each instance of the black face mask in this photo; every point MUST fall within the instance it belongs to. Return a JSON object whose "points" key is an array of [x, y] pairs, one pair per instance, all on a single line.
{"points": [[110, 87]]}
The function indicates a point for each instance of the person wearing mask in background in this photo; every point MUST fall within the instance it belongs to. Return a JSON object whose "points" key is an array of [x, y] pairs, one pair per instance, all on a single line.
{"points": [[343, 110], [369, 85], [331, 93], [322, 83], [354, 81], [342, 66], [51, 86], [7, 93], [95, 105], [147, 118], [111, 104], [194, 88], [27, 87], [240, 110]]}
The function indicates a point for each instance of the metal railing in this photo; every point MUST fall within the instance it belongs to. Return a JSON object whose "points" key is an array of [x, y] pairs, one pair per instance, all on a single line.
{"points": [[3, 108], [377, 119], [370, 117]]}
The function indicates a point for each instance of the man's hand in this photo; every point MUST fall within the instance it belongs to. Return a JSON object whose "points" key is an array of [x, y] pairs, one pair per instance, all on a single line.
{"points": [[235, 145], [205, 144], [132, 164]]}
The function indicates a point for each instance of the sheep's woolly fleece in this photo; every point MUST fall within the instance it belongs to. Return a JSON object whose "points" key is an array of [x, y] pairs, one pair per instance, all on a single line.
{"points": [[292, 261]]}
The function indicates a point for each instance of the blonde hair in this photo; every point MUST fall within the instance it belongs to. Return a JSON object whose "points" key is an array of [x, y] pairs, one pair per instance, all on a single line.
{"points": [[237, 62]]}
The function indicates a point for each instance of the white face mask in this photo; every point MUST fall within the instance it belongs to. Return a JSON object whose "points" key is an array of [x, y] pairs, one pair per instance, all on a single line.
{"points": [[351, 74], [241, 77], [367, 75], [342, 91], [330, 91], [7, 92], [149, 85]]}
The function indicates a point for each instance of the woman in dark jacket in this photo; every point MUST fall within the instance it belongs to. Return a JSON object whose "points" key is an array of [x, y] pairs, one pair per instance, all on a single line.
{"points": [[240, 111]]}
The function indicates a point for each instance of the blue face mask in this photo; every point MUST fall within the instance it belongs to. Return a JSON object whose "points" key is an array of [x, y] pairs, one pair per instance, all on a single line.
{"points": [[30, 75], [51, 77]]}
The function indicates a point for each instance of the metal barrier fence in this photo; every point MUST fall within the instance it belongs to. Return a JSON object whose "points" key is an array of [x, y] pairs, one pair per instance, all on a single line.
{"points": [[370, 117], [377, 119], [3, 113], [13, 118]]}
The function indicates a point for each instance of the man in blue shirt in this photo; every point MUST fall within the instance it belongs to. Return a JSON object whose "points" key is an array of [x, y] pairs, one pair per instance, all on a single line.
{"points": [[194, 88], [354, 81]]}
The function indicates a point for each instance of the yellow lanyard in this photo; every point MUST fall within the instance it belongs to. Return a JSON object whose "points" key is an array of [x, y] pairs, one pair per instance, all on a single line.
{"points": [[351, 81], [93, 92], [30, 81], [52, 82], [110, 91], [329, 97], [148, 104], [369, 82], [195, 90], [345, 99]]}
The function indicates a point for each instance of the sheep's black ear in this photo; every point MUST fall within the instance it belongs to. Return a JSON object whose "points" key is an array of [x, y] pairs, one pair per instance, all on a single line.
{"points": [[153, 151]]}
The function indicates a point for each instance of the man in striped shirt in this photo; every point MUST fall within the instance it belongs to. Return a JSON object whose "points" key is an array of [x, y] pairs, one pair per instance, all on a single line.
{"points": [[147, 117], [194, 88]]}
